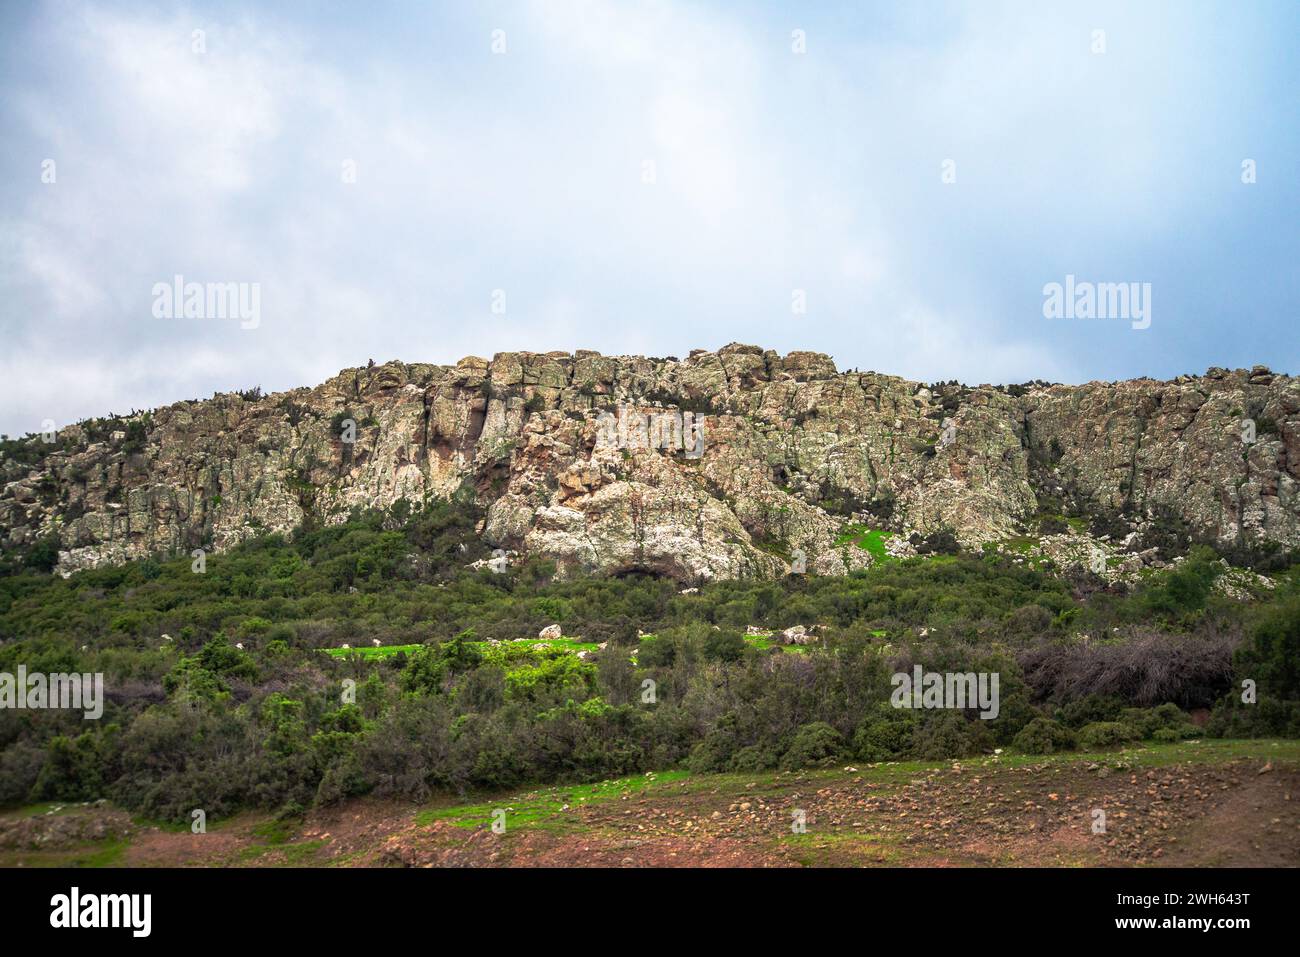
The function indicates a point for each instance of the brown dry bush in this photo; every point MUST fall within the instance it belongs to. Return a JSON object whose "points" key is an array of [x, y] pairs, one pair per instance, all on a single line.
{"points": [[1146, 668]]}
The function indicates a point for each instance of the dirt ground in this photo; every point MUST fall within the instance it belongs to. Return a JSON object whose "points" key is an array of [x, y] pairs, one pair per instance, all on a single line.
{"points": [[1209, 804]]}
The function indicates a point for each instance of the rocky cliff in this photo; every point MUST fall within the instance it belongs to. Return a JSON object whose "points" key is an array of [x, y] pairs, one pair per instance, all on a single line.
{"points": [[771, 458]]}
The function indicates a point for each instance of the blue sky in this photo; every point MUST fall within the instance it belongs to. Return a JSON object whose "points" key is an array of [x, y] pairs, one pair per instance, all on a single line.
{"points": [[524, 172]]}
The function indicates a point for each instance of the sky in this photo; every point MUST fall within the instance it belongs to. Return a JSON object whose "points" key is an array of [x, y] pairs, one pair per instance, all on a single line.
{"points": [[894, 184]]}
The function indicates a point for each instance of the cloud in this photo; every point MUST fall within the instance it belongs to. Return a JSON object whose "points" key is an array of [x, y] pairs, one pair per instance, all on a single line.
{"points": [[526, 172]]}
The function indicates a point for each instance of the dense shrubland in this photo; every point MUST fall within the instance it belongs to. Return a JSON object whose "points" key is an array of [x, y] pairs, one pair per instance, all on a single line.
{"points": [[196, 722]]}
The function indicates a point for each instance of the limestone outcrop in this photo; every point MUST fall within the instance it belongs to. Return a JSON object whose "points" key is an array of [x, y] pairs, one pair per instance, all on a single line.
{"points": [[790, 451]]}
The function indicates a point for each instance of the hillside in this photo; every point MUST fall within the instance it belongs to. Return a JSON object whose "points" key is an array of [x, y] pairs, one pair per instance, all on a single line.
{"points": [[495, 588], [792, 453]]}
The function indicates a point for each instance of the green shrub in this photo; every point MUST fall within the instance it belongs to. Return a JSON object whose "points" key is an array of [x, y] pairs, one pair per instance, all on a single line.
{"points": [[1167, 717], [1101, 735], [950, 734], [1044, 736], [430, 667], [1272, 657], [724, 645], [712, 753], [1089, 710], [886, 736], [753, 758], [1266, 718], [657, 652], [43, 554], [815, 745]]}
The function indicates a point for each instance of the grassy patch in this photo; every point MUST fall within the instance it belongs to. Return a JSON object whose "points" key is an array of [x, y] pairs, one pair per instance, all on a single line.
{"points": [[290, 855], [543, 808], [841, 848], [568, 644], [370, 652], [107, 853], [275, 830], [1020, 544], [869, 540], [48, 807]]}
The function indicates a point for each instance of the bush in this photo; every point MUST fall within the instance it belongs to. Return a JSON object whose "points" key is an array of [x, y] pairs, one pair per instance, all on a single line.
{"points": [[1029, 621], [714, 750], [430, 666], [941, 542], [20, 764], [950, 734], [1089, 710], [815, 745], [43, 554], [1167, 717], [1101, 735], [1272, 659], [724, 645], [1267, 718], [657, 652], [1044, 736], [753, 758], [1146, 668], [887, 736]]}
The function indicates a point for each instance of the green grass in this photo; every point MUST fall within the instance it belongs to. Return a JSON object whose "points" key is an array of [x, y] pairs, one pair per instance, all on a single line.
{"points": [[275, 831], [571, 644], [47, 807], [370, 652], [1021, 544], [544, 808], [106, 853], [869, 540], [816, 848], [295, 855]]}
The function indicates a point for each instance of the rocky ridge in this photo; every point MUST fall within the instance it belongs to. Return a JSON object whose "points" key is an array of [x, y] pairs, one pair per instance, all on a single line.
{"points": [[793, 451]]}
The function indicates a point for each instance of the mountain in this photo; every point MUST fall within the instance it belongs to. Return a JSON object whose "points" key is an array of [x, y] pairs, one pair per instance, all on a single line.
{"points": [[797, 461]]}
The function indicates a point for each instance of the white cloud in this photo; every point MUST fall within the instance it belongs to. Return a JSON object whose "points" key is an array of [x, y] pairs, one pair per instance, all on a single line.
{"points": [[524, 172]]}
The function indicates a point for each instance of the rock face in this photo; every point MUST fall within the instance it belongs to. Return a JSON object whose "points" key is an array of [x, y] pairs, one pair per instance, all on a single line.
{"points": [[557, 450]]}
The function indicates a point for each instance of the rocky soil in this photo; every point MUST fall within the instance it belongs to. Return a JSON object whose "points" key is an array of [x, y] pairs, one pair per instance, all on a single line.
{"points": [[1196, 804]]}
